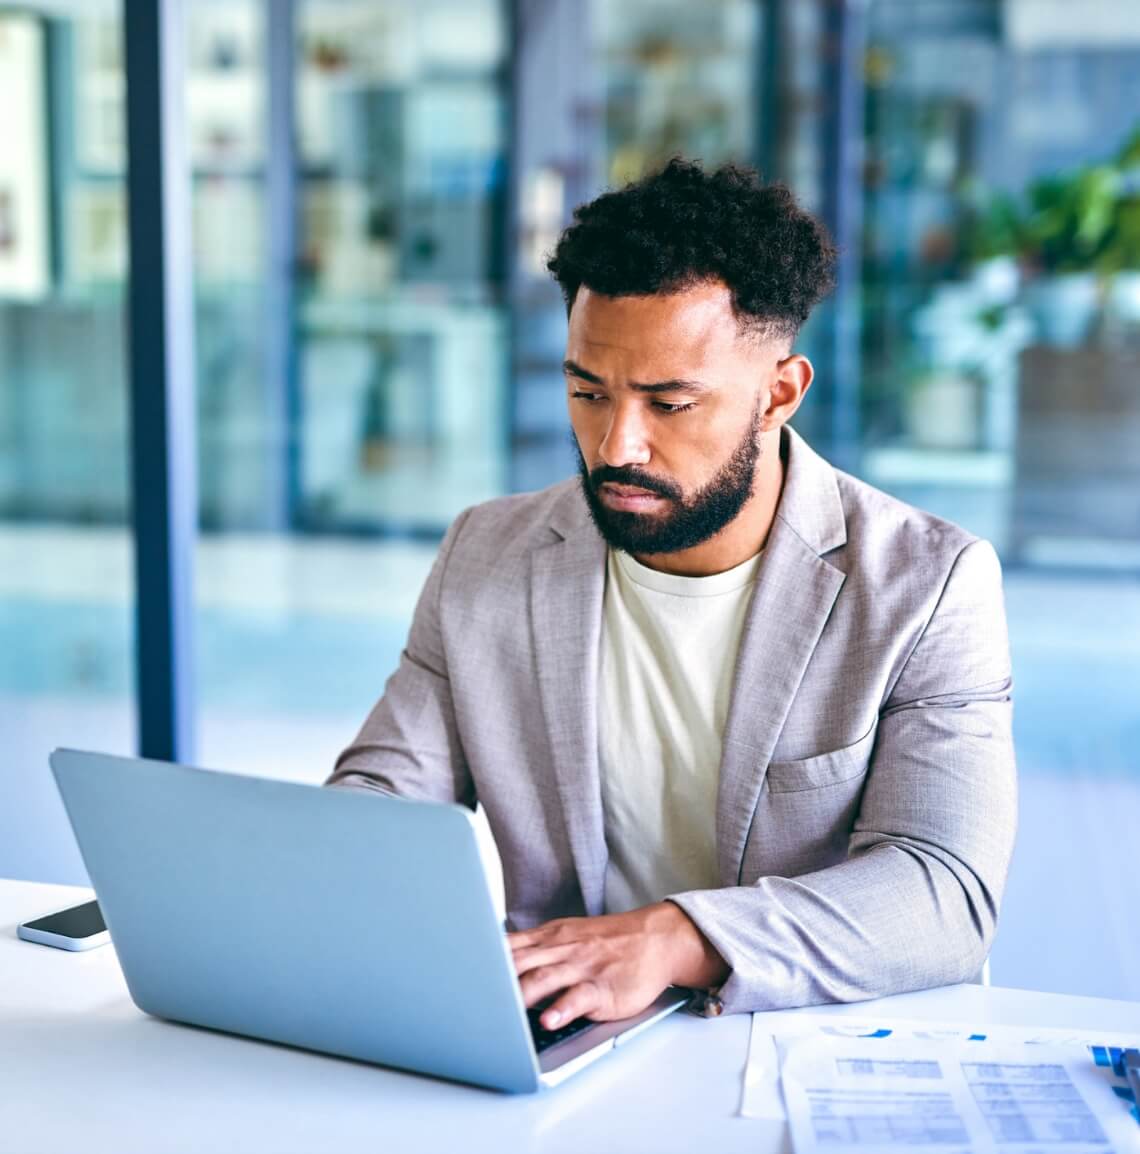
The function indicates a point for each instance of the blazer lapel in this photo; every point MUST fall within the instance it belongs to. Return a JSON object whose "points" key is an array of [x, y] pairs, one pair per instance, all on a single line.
{"points": [[567, 585], [795, 591]]}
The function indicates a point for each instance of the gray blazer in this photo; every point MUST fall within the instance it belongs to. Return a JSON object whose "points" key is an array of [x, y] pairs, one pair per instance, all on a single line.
{"points": [[867, 800]]}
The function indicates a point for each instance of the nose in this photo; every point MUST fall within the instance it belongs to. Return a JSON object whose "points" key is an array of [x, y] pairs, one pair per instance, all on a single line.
{"points": [[625, 442]]}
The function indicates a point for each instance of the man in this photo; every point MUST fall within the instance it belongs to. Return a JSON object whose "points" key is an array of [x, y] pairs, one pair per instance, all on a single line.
{"points": [[738, 721]]}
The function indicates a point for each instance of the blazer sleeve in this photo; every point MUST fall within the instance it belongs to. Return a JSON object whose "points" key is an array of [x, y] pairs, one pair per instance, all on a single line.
{"points": [[409, 745], [915, 903]]}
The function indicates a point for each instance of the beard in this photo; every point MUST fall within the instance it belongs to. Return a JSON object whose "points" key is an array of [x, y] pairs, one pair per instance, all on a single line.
{"points": [[691, 520]]}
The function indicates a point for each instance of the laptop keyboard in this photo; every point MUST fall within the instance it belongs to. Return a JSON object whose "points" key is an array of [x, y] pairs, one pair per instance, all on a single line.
{"points": [[544, 1038]]}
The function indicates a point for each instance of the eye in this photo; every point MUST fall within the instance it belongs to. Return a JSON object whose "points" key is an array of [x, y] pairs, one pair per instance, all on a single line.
{"points": [[668, 409], [580, 395]]}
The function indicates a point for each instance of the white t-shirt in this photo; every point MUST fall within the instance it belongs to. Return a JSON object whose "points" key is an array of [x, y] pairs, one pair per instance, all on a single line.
{"points": [[668, 654]]}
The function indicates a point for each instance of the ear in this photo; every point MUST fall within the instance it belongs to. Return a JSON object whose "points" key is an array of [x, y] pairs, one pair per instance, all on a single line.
{"points": [[791, 379]]}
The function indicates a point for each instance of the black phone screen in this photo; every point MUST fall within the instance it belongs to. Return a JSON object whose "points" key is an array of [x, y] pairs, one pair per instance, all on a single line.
{"points": [[78, 922]]}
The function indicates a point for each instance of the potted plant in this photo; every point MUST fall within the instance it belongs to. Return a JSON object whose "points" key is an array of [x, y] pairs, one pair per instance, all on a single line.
{"points": [[1120, 258], [994, 237], [1069, 219]]}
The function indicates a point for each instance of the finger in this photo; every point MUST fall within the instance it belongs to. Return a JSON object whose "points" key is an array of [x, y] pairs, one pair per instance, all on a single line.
{"points": [[577, 1002], [558, 929], [520, 939], [546, 980], [531, 958]]}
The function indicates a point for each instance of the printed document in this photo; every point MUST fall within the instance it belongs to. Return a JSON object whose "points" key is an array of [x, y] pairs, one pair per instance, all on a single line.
{"points": [[887, 1095], [761, 1095]]}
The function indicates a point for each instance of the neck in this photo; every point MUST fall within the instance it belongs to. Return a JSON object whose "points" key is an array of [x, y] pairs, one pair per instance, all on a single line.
{"points": [[744, 536]]}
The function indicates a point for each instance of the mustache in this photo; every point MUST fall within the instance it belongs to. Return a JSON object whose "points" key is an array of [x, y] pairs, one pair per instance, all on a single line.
{"points": [[627, 475]]}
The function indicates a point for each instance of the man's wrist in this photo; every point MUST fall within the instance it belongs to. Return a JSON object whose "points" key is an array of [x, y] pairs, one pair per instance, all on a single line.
{"points": [[692, 960]]}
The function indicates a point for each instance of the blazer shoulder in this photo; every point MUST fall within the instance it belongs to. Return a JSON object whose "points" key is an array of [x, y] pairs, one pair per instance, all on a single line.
{"points": [[497, 531], [887, 536]]}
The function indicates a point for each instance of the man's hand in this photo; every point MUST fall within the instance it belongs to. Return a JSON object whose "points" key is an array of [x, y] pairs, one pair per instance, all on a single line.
{"points": [[612, 966]]}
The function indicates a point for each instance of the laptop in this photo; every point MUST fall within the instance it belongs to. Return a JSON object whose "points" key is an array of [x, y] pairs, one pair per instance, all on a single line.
{"points": [[336, 920]]}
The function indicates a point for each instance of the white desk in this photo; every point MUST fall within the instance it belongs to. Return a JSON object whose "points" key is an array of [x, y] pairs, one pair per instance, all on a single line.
{"points": [[82, 1070]]}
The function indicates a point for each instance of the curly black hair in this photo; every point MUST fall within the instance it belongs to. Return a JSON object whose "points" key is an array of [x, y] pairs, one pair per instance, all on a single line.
{"points": [[682, 226]]}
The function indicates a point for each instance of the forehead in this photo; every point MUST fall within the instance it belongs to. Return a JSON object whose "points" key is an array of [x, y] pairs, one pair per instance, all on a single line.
{"points": [[661, 334]]}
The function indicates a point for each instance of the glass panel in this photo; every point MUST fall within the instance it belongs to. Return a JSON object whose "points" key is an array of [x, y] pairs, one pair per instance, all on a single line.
{"points": [[367, 399], [66, 583], [679, 79], [402, 336], [608, 90], [1002, 160], [239, 436], [1001, 388]]}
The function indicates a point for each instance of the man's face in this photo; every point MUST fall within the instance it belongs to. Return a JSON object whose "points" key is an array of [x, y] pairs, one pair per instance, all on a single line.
{"points": [[666, 396]]}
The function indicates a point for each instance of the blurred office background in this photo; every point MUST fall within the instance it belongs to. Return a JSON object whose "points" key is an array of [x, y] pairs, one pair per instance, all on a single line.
{"points": [[374, 185]]}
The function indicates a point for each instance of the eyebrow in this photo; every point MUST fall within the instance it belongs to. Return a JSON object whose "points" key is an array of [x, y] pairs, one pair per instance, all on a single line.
{"points": [[676, 385]]}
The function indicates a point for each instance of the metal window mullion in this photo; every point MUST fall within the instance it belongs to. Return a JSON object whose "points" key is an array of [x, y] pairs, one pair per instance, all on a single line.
{"points": [[844, 96], [164, 489], [281, 386]]}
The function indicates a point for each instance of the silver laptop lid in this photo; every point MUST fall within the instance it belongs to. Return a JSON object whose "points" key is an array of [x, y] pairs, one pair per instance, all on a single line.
{"points": [[337, 920]]}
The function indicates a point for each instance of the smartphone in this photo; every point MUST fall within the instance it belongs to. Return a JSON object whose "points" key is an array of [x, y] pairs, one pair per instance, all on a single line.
{"points": [[77, 928]]}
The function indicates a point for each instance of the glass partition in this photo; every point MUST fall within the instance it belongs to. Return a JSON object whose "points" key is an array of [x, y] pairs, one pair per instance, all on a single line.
{"points": [[401, 326], [350, 199], [1000, 318], [606, 91], [66, 582], [1001, 388]]}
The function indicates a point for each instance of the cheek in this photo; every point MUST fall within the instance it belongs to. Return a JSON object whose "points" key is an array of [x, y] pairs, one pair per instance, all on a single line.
{"points": [[584, 432], [693, 448]]}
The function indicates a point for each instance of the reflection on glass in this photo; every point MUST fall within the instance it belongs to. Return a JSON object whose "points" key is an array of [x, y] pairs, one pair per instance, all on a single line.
{"points": [[679, 79], [66, 591], [374, 399], [239, 434], [1000, 257], [609, 90], [401, 336], [1001, 362], [24, 268]]}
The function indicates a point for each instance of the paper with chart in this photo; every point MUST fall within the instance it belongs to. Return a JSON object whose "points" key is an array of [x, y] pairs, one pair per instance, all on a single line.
{"points": [[762, 1097], [885, 1096]]}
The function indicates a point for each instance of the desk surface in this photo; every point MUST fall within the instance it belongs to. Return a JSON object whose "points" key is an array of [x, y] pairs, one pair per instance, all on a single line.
{"points": [[82, 1069]]}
